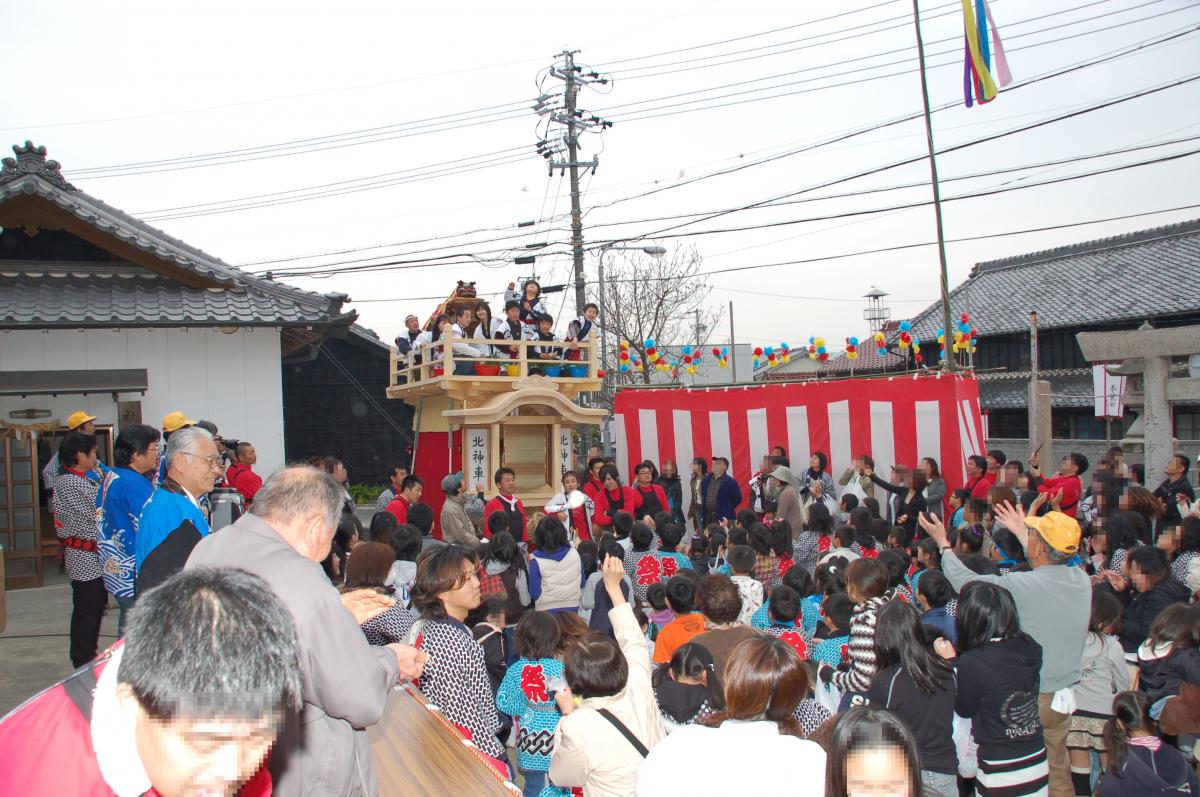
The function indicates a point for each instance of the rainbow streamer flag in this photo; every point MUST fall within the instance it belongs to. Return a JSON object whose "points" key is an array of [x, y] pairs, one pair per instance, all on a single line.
{"points": [[978, 83]]}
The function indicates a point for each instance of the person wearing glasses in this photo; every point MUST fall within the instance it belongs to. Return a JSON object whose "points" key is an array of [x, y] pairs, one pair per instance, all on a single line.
{"points": [[172, 522]]}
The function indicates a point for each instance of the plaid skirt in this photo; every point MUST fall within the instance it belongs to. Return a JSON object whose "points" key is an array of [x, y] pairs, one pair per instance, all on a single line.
{"points": [[1087, 731]]}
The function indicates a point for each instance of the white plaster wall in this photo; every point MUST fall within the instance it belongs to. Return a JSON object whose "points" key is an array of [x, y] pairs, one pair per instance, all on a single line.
{"points": [[235, 380]]}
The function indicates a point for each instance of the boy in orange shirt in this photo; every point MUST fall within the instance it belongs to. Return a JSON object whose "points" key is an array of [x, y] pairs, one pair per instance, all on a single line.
{"points": [[681, 597]]}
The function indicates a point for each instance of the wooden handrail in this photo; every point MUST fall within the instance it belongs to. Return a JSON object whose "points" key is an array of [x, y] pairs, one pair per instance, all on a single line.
{"points": [[413, 374]]}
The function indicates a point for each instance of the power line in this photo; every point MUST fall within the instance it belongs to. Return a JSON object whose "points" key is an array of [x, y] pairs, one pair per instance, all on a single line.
{"points": [[464, 168], [1104, 58], [331, 268], [462, 160], [957, 51], [919, 183], [901, 247], [667, 110], [944, 150], [392, 265]]}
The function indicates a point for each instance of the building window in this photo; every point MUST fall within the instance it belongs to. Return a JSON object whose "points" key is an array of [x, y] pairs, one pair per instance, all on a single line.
{"points": [[1008, 424], [1009, 352], [1059, 350], [1084, 425], [1187, 424]]}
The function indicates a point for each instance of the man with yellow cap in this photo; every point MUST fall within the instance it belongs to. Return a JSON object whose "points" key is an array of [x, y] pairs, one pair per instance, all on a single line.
{"points": [[79, 421], [172, 422], [1053, 603]]}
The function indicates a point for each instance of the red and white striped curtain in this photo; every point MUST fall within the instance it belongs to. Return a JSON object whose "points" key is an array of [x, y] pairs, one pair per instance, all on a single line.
{"points": [[895, 421]]}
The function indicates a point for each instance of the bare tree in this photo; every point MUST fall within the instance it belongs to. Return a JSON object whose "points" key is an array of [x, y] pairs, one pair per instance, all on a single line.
{"points": [[661, 299]]}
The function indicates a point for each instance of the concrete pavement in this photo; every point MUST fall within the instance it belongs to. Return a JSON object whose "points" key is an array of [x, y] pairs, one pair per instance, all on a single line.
{"points": [[33, 649]]}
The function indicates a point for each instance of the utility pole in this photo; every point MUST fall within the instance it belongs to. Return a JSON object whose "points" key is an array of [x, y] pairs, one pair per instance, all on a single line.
{"points": [[569, 96], [948, 364], [572, 122]]}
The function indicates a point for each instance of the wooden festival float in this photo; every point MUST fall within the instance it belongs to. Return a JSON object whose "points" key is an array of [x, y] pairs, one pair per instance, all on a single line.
{"points": [[519, 412]]}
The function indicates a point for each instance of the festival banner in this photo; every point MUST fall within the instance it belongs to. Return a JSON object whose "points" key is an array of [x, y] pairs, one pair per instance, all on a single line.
{"points": [[896, 420]]}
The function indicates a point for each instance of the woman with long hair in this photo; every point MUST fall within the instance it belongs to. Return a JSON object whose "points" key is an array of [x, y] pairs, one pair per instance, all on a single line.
{"points": [[764, 682], [673, 486], [999, 672], [481, 329], [871, 752], [1182, 545], [935, 486], [918, 686], [614, 498], [908, 496]]}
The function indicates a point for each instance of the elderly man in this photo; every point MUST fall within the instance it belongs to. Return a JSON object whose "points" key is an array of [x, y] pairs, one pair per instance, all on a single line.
{"points": [[457, 527], [172, 522], [283, 539], [189, 703], [1053, 605]]}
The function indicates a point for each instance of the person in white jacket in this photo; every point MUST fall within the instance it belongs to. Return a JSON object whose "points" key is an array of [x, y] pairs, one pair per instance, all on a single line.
{"points": [[464, 353], [612, 681], [764, 683]]}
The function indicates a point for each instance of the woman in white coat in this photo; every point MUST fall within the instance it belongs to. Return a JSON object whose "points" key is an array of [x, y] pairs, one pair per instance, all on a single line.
{"points": [[754, 746], [610, 717]]}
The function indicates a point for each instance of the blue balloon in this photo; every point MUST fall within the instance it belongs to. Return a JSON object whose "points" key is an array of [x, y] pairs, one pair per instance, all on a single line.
{"points": [[649, 343], [687, 349], [853, 341], [940, 332], [881, 352], [905, 326], [724, 350], [769, 350], [964, 328], [916, 341]]}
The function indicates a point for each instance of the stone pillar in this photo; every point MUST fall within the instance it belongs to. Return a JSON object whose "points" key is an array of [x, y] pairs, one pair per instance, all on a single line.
{"points": [[1038, 398], [1156, 418]]}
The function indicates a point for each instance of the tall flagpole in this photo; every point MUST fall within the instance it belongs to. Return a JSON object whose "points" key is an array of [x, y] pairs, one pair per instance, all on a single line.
{"points": [[948, 364]]}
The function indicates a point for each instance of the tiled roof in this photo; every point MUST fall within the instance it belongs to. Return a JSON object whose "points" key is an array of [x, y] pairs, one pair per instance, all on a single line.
{"points": [[58, 294], [47, 299], [1070, 389], [1126, 278]]}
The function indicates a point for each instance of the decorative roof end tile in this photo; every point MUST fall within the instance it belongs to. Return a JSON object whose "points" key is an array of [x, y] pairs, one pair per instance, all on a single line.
{"points": [[32, 160]]}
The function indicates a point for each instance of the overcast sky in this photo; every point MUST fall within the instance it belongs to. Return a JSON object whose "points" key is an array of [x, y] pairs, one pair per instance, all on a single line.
{"points": [[110, 84]]}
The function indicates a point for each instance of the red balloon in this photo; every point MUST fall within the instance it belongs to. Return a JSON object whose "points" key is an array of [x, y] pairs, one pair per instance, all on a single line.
{"points": [[601, 374], [823, 357], [758, 352], [966, 318], [624, 355], [716, 352], [918, 358]]}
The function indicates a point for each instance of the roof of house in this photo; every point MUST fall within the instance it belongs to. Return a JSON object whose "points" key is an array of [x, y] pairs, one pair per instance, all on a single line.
{"points": [[1071, 388], [1122, 279], [165, 282]]}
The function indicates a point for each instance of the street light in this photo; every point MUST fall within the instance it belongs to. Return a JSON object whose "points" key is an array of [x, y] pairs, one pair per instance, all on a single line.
{"points": [[653, 251]]}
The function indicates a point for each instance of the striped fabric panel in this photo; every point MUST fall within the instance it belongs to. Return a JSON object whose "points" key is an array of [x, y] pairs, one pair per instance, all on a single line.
{"points": [[896, 421]]}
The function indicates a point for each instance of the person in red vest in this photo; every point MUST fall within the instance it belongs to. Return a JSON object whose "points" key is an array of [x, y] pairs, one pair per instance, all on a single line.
{"points": [[190, 702], [613, 499], [1067, 481], [594, 485], [240, 476], [654, 497], [509, 504], [979, 481], [410, 493]]}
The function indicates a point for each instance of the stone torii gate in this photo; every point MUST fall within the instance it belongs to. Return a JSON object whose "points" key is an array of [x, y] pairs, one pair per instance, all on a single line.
{"points": [[1148, 351]]}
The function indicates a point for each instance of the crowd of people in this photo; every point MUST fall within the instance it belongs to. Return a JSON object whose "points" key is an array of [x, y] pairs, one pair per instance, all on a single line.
{"points": [[803, 634]]}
